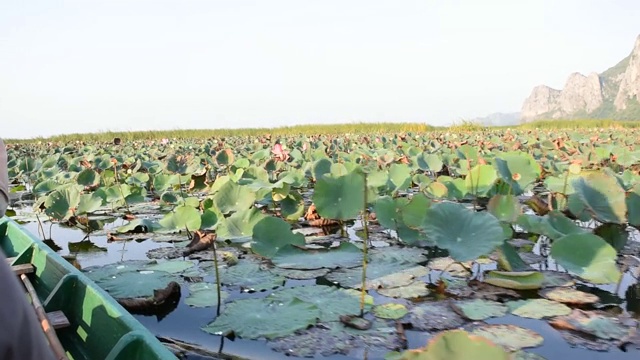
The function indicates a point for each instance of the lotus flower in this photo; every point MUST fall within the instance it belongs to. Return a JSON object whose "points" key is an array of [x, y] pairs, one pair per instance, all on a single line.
{"points": [[279, 153]]}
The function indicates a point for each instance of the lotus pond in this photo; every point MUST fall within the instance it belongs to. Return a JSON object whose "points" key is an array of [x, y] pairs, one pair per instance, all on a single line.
{"points": [[493, 244]]}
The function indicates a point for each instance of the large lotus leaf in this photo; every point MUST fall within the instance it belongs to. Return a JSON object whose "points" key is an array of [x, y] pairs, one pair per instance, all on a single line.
{"points": [[399, 177], [480, 179], [537, 308], [204, 295], [171, 266], [131, 283], [505, 207], [339, 197], [300, 274], [633, 206], [390, 311], [569, 296], [615, 235], [561, 184], [292, 207], [415, 289], [233, 197], [331, 301], [414, 212], [587, 256], [240, 224], [250, 276], [403, 255], [455, 345], [456, 188], [592, 323], [183, 217], [518, 170], [510, 337], [386, 212], [469, 236], [261, 318], [430, 316], [603, 196], [61, 203], [510, 260], [523, 280], [272, 234], [335, 338], [88, 203], [45, 186], [431, 162], [478, 309], [88, 177], [352, 278], [344, 256], [320, 167]]}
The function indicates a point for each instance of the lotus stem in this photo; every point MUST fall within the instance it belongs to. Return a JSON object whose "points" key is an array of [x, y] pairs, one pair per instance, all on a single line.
{"points": [[365, 220], [115, 176], [215, 264]]}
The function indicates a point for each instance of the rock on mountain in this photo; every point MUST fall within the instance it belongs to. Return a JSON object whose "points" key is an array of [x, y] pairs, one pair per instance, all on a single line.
{"points": [[611, 94]]}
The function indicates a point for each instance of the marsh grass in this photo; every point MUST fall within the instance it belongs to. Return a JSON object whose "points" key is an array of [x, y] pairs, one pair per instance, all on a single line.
{"points": [[327, 129]]}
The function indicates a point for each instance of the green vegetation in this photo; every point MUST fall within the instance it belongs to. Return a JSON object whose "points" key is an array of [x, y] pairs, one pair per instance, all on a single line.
{"points": [[414, 214]]}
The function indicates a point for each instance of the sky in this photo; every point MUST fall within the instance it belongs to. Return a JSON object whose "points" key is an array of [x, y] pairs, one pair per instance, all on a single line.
{"points": [[87, 66]]}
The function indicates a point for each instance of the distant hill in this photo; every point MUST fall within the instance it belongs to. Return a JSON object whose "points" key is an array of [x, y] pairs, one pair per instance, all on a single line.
{"points": [[613, 94], [499, 119]]}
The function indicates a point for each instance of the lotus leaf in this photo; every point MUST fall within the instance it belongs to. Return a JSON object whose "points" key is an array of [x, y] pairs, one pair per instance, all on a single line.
{"points": [[510, 260], [505, 207], [240, 224], [429, 316], [554, 278], [390, 311], [233, 198], [479, 309], [300, 274], [171, 266], [353, 277], [431, 162], [272, 234], [537, 308], [261, 318], [615, 235], [569, 296], [517, 169], [465, 233], [339, 197], [346, 255], [524, 355], [331, 301], [250, 276], [587, 256], [480, 179], [522, 280], [204, 295], [510, 337], [454, 345], [633, 205], [184, 217], [123, 280], [449, 265], [603, 196], [415, 289], [592, 323]]}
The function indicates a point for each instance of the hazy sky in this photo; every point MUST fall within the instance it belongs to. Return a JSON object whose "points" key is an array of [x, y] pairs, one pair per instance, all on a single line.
{"points": [[78, 66]]}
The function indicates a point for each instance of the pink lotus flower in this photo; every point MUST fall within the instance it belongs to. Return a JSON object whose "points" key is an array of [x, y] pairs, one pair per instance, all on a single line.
{"points": [[279, 153]]}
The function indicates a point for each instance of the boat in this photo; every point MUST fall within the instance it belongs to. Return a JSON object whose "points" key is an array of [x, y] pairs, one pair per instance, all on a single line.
{"points": [[90, 323]]}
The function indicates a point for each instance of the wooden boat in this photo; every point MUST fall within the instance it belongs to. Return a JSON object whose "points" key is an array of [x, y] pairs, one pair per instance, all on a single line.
{"points": [[97, 327]]}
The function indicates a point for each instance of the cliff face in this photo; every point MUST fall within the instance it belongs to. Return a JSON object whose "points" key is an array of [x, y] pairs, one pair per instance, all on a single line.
{"points": [[612, 94]]}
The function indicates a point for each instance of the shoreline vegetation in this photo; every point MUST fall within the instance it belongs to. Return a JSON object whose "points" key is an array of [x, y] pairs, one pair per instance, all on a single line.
{"points": [[328, 129]]}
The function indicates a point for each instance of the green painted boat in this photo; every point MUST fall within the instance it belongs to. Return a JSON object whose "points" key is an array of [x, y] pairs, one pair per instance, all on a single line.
{"points": [[99, 327]]}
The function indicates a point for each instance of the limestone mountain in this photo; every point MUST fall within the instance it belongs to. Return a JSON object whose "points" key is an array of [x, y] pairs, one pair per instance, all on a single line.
{"points": [[613, 94]]}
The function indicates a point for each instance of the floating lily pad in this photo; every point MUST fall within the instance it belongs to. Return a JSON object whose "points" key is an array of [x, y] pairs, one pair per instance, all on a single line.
{"points": [[171, 266], [398, 279], [344, 256], [510, 337], [167, 252], [522, 280], [300, 274], [478, 290], [123, 280], [554, 279], [250, 276], [592, 323], [331, 301], [454, 345], [525, 355], [537, 308], [414, 290], [569, 296], [353, 277], [390, 311], [429, 316], [335, 338], [204, 295], [451, 266], [478, 309], [408, 255], [261, 318]]}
